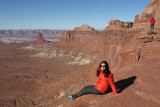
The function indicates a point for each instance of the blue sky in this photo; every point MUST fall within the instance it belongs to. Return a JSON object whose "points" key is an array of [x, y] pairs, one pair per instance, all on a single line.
{"points": [[66, 14]]}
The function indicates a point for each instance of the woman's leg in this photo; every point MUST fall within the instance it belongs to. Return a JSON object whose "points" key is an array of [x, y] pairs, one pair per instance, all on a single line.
{"points": [[87, 90]]}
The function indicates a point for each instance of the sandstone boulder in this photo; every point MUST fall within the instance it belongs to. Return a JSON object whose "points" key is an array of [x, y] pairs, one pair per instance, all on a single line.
{"points": [[116, 24]]}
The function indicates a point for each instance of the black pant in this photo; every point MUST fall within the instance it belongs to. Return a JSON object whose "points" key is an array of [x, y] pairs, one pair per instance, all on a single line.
{"points": [[87, 90]]}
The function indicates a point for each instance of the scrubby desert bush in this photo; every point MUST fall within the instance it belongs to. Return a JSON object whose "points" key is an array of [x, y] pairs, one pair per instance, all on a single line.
{"points": [[150, 32]]}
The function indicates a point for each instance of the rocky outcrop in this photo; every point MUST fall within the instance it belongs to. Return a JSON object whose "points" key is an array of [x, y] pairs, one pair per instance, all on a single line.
{"points": [[40, 39], [119, 47], [143, 20], [79, 36], [108, 44], [83, 33], [116, 24], [84, 28], [116, 44]]}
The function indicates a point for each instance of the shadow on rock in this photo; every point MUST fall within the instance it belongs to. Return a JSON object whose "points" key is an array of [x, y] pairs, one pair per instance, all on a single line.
{"points": [[123, 84]]}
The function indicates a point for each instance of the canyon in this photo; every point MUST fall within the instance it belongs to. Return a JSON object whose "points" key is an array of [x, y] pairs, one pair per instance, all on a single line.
{"points": [[28, 35], [42, 73]]}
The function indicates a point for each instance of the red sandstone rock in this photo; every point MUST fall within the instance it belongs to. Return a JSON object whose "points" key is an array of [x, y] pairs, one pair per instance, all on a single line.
{"points": [[152, 9], [107, 43], [116, 24], [84, 28], [114, 38], [40, 39], [83, 33], [132, 51], [79, 36]]}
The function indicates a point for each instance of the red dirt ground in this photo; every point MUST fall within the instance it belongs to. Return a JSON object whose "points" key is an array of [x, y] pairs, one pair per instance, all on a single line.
{"points": [[24, 81], [40, 82]]}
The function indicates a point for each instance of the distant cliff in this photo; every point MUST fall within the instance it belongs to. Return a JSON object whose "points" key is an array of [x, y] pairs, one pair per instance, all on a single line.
{"points": [[30, 33], [83, 33]]}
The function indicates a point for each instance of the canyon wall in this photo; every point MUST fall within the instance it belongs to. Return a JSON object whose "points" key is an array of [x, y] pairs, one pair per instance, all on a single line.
{"points": [[121, 43], [151, 10]]}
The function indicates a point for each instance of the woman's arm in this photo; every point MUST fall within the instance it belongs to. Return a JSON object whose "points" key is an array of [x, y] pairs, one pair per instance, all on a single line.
{"points": [[112, 84]]}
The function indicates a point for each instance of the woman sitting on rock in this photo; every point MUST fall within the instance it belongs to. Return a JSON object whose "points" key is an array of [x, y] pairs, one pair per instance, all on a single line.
{"points": [[105, 78]]}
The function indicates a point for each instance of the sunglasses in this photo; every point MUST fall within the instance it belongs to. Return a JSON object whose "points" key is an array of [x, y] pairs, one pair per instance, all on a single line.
{"points": [[103, 66]]}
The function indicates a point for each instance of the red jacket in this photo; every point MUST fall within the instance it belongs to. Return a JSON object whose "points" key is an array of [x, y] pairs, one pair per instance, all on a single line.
{"points": [[152, 20], [103, 83]]}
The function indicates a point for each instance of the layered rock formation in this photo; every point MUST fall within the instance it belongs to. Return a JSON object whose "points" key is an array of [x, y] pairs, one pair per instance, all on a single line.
{"points": [[110, 44], [83, 33], [40, 39], [116, 24], [143, 20], [120, 47]]}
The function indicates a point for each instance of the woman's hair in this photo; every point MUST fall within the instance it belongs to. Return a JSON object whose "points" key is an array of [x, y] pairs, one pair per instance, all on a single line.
{"points": [[106, 71]]}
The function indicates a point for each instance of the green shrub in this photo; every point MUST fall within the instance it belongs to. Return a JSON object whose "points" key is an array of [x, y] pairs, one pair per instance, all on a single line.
{"points": [[150, 32]]}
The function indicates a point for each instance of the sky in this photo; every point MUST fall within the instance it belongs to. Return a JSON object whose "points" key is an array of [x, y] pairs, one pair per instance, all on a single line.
{"points": [[67, 14]]}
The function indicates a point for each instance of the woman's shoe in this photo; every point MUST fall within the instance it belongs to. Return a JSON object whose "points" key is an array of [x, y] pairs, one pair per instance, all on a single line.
{"points": [[70, 97]]}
